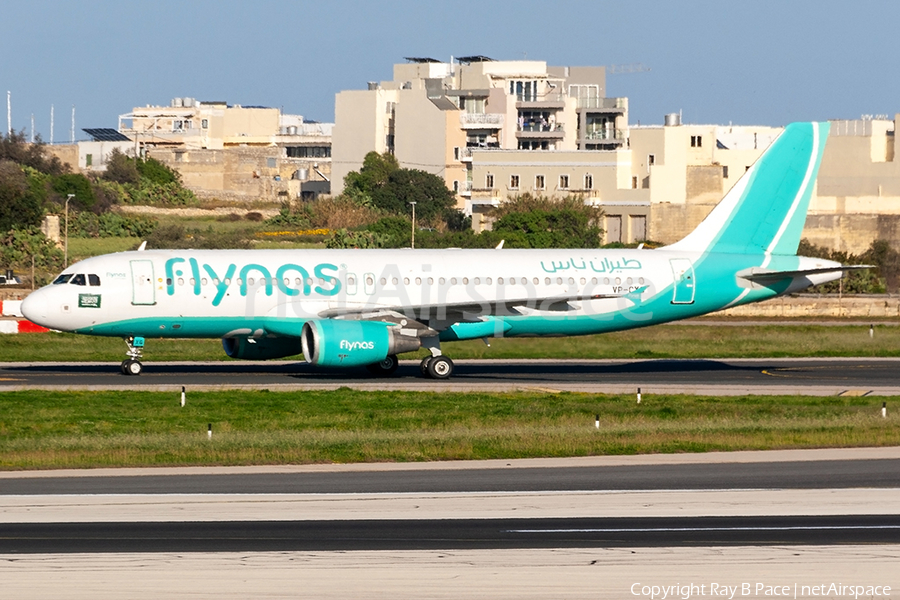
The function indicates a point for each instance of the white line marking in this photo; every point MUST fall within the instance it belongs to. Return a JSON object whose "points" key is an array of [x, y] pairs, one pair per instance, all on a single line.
{"points": [[679, 529]]}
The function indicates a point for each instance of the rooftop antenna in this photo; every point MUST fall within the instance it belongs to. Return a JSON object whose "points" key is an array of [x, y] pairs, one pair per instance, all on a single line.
{"points": [[51, 124], [32, 128], [8, 113], [73, 123]]}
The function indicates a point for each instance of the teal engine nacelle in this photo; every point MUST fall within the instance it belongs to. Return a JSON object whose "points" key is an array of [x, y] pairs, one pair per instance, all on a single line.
{"points": [[261, 348], [337, 343]]}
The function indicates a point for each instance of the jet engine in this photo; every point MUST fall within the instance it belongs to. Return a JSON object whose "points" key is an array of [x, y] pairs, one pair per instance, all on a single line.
{"points": [[339, 343]]}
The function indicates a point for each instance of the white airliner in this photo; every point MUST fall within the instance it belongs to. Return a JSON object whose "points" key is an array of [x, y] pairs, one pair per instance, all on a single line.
{"points": [[350, 308]]}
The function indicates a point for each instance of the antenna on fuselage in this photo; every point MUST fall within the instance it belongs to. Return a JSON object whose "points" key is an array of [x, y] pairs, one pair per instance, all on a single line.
{"points": [[143, 246], [500, 245]]}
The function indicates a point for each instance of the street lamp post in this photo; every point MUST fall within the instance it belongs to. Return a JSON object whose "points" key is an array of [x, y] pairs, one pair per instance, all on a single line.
{"points": [[66, 242], [413, 236]]}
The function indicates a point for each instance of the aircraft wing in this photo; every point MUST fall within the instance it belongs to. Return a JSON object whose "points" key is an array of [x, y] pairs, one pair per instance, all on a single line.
{"points": [[483, 307]]}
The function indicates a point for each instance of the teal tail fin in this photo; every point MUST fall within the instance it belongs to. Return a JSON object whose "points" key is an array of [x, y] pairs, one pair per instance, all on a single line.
{"points": [[766, 209]]}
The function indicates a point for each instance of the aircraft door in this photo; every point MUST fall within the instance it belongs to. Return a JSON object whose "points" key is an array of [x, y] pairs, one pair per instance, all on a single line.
{"points": [[142, 283], [685, 286]]}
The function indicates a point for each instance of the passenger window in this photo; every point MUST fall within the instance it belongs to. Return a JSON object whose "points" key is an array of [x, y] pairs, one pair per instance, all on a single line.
{"points": [[78, 279], [62, 279], [93, 279]]}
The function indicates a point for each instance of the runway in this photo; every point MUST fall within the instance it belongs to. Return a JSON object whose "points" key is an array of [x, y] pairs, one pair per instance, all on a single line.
{"points": [[591, 527], [444, 534], [827, 376]]}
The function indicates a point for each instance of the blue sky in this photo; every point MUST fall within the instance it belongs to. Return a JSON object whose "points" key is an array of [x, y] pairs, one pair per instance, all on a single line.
{"points": [[751, 62]]}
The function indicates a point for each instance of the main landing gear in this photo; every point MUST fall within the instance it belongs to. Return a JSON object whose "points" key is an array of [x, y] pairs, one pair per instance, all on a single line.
{"points": [[436, 367], [384, 368], [132, 365]]}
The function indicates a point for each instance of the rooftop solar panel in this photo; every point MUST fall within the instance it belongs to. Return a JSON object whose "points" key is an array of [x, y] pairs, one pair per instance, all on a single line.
{"points": [[106, 135]]}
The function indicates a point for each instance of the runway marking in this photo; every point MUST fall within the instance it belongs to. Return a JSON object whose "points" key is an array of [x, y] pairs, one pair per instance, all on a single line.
{"points": [[686, 529]]}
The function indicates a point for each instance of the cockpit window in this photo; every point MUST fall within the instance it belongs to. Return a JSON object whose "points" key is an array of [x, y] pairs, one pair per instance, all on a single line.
{"points": [[64, 278], [93, 279], [78, 280]]}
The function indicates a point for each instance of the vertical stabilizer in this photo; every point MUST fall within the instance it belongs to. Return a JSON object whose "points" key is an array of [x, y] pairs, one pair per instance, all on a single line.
{"points": [[766, 209]]}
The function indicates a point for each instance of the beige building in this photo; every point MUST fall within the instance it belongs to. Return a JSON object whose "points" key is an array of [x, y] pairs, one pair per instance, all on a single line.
{"points": [[857, 197], [436, 116], [658, 186], [235, 152]]}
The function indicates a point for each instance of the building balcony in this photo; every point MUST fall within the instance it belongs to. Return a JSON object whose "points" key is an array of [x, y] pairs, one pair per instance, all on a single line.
{"points": [[616, 105], [554, 131], [545, 104], [612, 135], [481, 121]]}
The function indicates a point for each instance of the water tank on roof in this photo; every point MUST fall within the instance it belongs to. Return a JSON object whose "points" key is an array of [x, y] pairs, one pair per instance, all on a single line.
{"points": [[177, 102], [188, 102], [673, 119], [302, 174], [292, 130]]}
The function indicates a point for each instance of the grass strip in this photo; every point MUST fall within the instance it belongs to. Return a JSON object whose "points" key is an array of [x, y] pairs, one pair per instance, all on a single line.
{"points": [[669, 341], [43, 430]]}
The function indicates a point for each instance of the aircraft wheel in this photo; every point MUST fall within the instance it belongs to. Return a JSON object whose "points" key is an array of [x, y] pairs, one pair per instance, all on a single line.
{"points": [[385, 367], [440, 367], [124, 366], [132, 367], [423, 366]]}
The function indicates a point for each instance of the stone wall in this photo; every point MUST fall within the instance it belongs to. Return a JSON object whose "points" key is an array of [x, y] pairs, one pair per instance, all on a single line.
{"points": [[815, 306]]}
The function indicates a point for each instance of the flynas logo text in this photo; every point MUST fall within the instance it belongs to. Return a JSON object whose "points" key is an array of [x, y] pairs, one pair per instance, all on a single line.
{"points": [[285, 275], [348, 345]]}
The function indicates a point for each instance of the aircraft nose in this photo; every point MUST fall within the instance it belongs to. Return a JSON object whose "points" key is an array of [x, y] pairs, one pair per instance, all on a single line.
{"points": [[34, 307]]}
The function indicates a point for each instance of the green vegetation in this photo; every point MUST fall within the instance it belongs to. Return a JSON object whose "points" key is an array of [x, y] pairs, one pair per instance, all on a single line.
{"points": [[885, 277], [664, 341], [40, 429]]}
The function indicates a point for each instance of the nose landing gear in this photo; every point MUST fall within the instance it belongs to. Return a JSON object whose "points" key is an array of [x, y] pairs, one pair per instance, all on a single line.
{"points": [[132, 365]]}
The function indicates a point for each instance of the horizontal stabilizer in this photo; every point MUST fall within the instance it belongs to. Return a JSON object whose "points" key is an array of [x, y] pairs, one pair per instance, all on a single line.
{"points": [[760, 276]]}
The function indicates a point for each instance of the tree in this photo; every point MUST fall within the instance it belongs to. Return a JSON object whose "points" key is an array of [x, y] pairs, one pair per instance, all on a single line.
{"points": [[76, 184], [374, 174], [121, 169], [15, 148], [19, 205], [156, 172], [403, 186], [540, 222]]}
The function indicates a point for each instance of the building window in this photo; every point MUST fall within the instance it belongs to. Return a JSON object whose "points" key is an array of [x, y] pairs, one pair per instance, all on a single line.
{"points": [[204, 124], [179, 156], [634, 182], [725, 172], [308, 151], [455, 186], [563, 182], [588, 181], [513, 182], [539, 182], [696, 141], [456, 153], [270, 163], [489, 181], [88, 160], [651, 160]]}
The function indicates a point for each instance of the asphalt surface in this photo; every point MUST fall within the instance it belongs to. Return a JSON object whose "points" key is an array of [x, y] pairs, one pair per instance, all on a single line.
{"points": [[824, 474], [282, 536], [736, 376]]}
